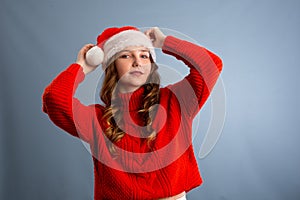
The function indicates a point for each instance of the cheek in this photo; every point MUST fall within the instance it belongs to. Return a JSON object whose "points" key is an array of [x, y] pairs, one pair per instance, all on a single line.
{"points": [[147, 69], [122, 67]]}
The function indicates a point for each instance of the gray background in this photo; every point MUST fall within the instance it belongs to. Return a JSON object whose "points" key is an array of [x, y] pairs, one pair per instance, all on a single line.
{"points": [[257, 156]]}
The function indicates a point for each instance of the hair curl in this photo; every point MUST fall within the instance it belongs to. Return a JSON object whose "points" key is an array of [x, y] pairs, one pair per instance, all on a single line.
{"points": [[112, 113]]}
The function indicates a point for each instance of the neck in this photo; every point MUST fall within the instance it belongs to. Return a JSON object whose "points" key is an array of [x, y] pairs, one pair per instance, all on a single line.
{"points": [[124, 90], [128, 87]]}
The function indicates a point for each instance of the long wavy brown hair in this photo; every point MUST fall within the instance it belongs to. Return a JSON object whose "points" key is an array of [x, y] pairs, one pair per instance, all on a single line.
{"points": [[112, 113]]}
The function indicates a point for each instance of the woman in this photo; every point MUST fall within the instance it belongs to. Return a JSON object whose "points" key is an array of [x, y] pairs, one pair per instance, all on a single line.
{"points": [[141, 138]]}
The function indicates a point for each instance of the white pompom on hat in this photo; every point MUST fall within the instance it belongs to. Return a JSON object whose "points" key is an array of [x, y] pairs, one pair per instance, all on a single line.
{"points": [[113, 40]]}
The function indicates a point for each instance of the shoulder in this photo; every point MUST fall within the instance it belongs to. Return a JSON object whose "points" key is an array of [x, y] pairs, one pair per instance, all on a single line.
{"points": [[98, 108], [164, 92], [167, 96]]}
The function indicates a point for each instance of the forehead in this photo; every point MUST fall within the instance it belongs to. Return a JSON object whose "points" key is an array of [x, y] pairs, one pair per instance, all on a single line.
{"points": [[136, 48]]}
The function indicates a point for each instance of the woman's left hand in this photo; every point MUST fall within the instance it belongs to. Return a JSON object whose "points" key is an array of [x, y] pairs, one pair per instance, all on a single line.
{"points": [[156, 36]]}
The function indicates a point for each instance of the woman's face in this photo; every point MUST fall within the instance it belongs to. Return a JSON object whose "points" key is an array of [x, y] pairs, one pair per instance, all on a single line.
{"points": [[133, 65]]}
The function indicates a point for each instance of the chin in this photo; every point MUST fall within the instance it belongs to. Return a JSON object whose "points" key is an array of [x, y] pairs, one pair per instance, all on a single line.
{"points": [[138, 83]]}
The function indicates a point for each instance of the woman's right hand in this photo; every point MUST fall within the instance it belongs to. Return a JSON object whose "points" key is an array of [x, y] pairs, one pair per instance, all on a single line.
{"points": [[81, 59], [156, 36]]}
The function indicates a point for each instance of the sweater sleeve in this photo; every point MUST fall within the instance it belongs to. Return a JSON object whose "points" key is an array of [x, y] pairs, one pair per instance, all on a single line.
{"points": [[205, 67], [63, 109]]}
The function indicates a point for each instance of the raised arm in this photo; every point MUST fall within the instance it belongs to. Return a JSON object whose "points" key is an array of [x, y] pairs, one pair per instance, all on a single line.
{"points": [[62, 108], [205, 68]]}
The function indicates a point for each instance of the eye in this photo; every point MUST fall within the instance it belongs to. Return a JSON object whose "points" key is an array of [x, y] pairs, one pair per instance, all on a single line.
{"points": [[145, 56], [124, 56]]}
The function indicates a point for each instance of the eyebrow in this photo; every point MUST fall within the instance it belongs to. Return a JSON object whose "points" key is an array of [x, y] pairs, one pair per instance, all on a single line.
{"points": [[141, 50]]}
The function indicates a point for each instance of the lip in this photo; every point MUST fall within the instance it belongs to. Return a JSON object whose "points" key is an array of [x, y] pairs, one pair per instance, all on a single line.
{"points": [[136, 72]]}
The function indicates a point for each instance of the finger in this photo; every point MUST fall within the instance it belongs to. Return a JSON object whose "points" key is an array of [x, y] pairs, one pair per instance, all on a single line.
{"points": [[147, 33], [86, 48], [155, 28], [151, 31], [90, 45]]}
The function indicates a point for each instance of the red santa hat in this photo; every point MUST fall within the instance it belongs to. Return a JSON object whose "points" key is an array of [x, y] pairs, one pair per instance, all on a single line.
{"points": [[113, 40]]}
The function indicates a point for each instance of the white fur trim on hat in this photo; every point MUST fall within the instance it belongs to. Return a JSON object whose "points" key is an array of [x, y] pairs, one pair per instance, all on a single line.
{"points": [[125, 39]]}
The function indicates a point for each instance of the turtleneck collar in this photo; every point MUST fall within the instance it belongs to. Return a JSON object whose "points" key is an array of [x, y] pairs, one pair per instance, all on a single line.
{"points": [[131, 101]]}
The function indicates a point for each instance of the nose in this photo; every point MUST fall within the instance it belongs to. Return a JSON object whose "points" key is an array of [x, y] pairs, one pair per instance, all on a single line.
{"points": [[136, 62]]}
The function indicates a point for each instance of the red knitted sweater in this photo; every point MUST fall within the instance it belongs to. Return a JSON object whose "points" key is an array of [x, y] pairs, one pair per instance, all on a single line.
{"points": [[139, 172]]}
